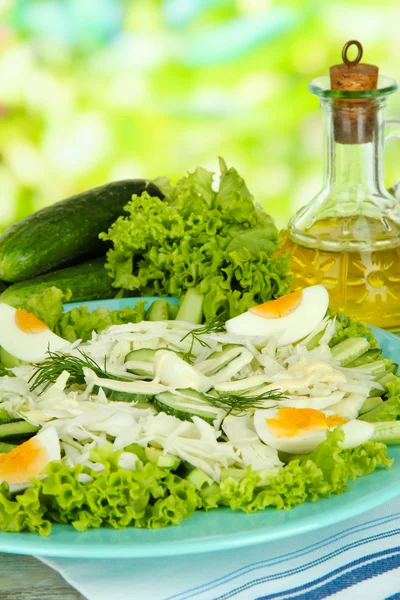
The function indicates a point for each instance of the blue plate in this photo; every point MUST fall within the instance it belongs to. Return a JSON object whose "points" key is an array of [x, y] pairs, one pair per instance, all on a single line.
{"points": [[222, 528]]}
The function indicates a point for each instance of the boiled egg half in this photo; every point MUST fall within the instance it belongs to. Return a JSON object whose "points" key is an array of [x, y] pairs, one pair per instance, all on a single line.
{"points": [[301, 430], [25, 337], [29, 459], [291, 317]]}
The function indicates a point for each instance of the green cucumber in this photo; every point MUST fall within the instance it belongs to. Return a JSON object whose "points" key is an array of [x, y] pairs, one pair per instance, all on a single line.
{"points": [[349, 350], [87, 281], [370, 404], [185, 404], [8, 360], [314, 342], [141, 355], [158, 458], [127, 391], [387, 432], [5, 417], [158, 311], [17, 429], [390, 365], [66, 232], [368, 357], [4, 447], [220, 359], [198, 478], [191, 307], [377, 368], [387, 378]]}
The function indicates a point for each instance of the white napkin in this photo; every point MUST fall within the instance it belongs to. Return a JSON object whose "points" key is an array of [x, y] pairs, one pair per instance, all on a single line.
{"points": [[357, 559]]}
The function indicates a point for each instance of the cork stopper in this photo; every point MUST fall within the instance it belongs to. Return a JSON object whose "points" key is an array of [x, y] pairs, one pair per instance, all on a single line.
{"points": [[353, 119]]}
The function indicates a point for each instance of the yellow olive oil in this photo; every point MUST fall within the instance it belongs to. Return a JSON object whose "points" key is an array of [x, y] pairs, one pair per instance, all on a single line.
{"points": [[362, 283]]}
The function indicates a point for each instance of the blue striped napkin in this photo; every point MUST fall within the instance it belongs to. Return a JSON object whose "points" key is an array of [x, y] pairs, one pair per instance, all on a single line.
{"points": [[356, 559]]}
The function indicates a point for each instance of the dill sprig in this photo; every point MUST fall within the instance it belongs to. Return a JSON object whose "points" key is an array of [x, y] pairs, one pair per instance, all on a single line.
{"points": [[216, 325], [239, 404], [51, 368]]}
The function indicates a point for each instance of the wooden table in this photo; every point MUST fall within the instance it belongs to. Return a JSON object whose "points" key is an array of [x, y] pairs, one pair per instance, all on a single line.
{"points": [[25, 578]]}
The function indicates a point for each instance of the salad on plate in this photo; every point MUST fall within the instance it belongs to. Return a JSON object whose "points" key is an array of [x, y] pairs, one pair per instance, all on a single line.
{"points": [[246, 396], [148, 421]]}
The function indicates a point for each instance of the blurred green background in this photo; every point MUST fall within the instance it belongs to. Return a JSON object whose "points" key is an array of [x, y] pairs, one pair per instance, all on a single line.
{"points": [[99, 90]]}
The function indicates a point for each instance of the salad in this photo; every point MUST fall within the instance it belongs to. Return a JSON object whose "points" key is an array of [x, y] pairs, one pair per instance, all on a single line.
{"points": [[138, 418]]}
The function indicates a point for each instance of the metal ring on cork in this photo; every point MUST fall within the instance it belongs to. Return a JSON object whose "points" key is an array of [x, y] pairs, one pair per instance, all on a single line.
{"points": [[352, 63]]}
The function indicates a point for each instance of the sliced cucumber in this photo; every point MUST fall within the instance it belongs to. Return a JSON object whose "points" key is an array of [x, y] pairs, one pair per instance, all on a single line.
{"points": [[158, 311], [141, 368], [387, 378], [349, 350], [191, 307], [128, 391], [218, 360], [368, 357], [142, 355], [6, 447], [5, 417], [8, 360], [185, 404], [313, 343], [370, 404], [377, 368], [387, 432], [198, 478], [227, 472], [391, 366], [135, 361], [17, 429], [164, 461]]}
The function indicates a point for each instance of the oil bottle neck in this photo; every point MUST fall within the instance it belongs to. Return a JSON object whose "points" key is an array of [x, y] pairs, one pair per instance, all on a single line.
{"points": [[353, 150]]}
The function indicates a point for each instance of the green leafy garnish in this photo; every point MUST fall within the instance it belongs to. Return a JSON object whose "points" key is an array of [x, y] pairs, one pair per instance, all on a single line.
{"points": [[239, 404], [51, 368], [216, 325]]}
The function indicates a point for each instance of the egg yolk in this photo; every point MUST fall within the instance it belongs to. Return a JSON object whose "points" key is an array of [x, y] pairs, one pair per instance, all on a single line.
{"points": [[281, 307], [25, 461], [296, 422], [28, 323]]}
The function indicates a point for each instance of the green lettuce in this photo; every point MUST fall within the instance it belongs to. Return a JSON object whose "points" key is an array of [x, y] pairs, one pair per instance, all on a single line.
{"points": [[322, 473], [79, 323], [389, 410], [152, 497], [218, 242], [147, 497], [48, 305], [348, 327]]}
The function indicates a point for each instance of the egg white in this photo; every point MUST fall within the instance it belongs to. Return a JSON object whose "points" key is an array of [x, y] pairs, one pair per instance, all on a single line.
{"points": [[355, 432], [171, 370], [29, 347], [290, 328]]}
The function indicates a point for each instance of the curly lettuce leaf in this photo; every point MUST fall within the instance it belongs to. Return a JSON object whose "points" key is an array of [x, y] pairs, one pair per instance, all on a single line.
{"points": [[324, 472], [389, 410], [48, 305], [79, 323], [217, 242], [348, 327], [147, 497], [153, 497]]}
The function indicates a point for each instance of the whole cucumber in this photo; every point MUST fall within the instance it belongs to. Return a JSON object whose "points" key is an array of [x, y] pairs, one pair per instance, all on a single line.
{"points": [[87, 281], [66, 232]]}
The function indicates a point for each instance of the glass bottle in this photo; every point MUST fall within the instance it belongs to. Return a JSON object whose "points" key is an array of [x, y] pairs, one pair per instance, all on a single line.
{"points": [[348, 236]]}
